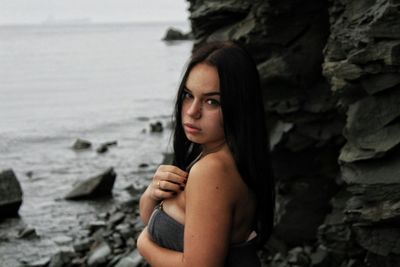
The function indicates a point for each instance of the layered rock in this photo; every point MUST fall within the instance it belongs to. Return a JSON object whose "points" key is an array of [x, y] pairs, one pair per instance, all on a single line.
{"points": [[362, 63]]}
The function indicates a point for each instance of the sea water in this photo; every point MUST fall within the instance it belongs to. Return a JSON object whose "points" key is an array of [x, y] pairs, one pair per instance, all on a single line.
{"points": [[96, 82]]}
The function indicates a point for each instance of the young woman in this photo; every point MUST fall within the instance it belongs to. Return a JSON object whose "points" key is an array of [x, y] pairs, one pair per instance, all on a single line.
{"points": [[215, 204]]}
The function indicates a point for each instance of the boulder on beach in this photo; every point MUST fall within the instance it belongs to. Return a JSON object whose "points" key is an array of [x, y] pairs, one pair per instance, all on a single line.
{"points": [[81, 144], [10, 194], [94, 187]]}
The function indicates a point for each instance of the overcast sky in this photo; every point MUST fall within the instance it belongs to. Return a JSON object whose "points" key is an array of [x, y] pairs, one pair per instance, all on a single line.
{"points": [[36, 11]]}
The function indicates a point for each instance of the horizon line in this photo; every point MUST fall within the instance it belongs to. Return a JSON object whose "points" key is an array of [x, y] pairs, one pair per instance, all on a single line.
{"points": [[89, 23]]}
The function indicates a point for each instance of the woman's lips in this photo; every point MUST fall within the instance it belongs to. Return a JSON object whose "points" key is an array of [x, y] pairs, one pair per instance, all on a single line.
{"points": [[190, 128]]}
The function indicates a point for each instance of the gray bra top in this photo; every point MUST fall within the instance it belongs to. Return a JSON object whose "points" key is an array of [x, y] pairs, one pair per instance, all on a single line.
{"points": [[168, 233]]}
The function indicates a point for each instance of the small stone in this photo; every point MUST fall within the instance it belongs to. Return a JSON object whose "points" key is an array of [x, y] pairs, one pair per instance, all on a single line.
{"points": [[118, 241], [125, 230], [156, 127], [134, 259], [39, 263], [102, 149], [143, 165], [27, 233], [82, 244], [99, 255], [94, 226], [62, 240], [116, 218], [103, 215], [62, 258], [81, 144], [29, 174]]}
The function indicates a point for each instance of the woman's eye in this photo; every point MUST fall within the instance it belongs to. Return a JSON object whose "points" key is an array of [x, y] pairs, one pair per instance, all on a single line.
{"points": [[187, 95], [212, 102]]}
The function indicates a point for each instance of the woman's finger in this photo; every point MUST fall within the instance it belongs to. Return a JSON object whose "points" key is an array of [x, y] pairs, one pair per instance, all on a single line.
{"points": [[168, 186], [172, 177], [173, 169], [161, 194]]}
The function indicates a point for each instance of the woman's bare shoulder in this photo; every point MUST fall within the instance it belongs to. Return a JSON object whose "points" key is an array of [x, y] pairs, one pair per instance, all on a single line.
{"points": [[216, 169]]}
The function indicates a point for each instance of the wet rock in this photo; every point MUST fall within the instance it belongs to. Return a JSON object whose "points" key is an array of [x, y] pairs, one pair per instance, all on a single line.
{"points": [[82, 245], [10, 194], [104, 147], [27, 233], [143, 165], [135, 194], [62, 240], [134, 259], [81, 144], [174, 34], [118, 241], [39, 263], [126, 231], [29, 174], [116, 218], [94, 187], [96, 225], [99, 255], [156, 127], [63, 258]]}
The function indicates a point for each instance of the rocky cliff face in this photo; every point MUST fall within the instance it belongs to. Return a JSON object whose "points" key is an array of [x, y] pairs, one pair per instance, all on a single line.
{"points": [[330, 72]]}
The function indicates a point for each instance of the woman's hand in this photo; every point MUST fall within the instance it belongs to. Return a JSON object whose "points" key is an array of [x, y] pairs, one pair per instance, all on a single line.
{"points": [[168, 180], [156, 255]]}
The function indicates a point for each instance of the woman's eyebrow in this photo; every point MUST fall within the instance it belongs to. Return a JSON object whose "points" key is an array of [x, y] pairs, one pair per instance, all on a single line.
{"points": [[212, 93], [206, 94]]}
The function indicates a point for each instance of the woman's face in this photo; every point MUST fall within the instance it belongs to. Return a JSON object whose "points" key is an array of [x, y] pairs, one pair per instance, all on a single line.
{"points": [[201, 109]]}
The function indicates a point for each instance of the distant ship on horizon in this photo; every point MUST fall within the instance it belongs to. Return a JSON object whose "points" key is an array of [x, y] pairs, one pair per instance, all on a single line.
{"points": [[77, 21]]}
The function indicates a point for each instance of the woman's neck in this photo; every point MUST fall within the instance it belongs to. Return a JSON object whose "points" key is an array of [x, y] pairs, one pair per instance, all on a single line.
{"points": [[211, 149]]}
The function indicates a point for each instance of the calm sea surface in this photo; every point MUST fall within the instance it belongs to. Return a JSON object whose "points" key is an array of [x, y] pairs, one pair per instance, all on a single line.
{"points": [[97, 82]]}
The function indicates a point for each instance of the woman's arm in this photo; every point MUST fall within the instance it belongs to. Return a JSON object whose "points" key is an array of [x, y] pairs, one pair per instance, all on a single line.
{"points": [[155, 255], [208, 219], [167, 181], [210, 195]]}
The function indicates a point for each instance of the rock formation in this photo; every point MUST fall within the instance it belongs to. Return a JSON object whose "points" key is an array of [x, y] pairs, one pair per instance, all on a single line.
{"points": [[10, 194], [331, 82], [94, 187]]}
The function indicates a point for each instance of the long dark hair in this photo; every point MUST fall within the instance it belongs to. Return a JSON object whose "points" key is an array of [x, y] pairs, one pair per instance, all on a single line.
{"points": [[244, 125]]}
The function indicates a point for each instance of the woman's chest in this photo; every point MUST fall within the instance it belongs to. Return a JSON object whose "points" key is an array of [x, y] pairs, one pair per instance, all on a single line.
{"points": [[175, 207]]}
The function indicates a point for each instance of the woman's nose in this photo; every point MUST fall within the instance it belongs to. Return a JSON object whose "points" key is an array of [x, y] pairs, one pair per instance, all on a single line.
{"points": [[194, 109]]}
